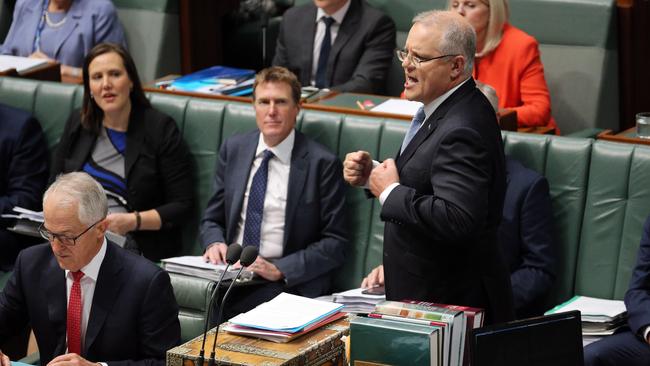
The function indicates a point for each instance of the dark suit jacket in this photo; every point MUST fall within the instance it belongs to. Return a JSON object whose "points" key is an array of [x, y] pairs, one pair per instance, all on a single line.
{"points": [[133, 319], [315, 236], [440, 236], [361, 54], [158, 173], [637, 297], [23, 174], [526, 238]]}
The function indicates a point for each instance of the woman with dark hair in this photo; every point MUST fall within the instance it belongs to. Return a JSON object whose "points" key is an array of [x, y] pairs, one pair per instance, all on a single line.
{"points": [[134, 151], [62, 30]]}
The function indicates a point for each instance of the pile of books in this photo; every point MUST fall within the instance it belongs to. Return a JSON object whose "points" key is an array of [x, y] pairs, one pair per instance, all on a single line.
{"points": [[196, 266], [284, 318], [414, 333], [599, 317]]}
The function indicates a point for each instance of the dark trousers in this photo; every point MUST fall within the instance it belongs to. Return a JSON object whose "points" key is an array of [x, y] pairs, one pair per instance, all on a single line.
{"points": [[623, 348], [244, 298]]}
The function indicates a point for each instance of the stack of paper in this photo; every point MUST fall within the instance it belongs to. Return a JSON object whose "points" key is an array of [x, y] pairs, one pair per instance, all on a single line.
{"points": [[21, 64], [196, 266], [355, 301], [599, 316], [284, 318]]}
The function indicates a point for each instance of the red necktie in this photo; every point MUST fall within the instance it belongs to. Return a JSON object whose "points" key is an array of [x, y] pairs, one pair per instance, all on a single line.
{"points": [[74, 315]]}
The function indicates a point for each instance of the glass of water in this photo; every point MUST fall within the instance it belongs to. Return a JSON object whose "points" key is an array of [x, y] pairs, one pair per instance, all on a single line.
{"points": [[643, 125]]}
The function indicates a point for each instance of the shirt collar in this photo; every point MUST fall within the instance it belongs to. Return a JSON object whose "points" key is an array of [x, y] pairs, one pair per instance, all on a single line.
{"points": [[338, 15], [431, 107], [282, 151], [92, 269]]}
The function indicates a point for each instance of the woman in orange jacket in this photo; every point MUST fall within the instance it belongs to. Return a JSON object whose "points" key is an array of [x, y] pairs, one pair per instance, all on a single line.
{"points": [[508, 59]]}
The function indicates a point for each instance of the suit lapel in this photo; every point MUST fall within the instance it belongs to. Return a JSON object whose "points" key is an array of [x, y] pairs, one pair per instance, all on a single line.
{"points": [[433, 122], [297, 177], [54, 280], [135, 139], [72, 21], [348, 27], [107, 290], [242, 161]]}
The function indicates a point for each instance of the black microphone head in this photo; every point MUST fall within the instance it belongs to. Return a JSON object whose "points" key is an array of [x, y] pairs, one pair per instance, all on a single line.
{"points": [[248, 256], [233, 253]]}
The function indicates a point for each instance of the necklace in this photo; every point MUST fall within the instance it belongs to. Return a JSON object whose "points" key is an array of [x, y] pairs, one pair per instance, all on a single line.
{"points": [[52, 24]]}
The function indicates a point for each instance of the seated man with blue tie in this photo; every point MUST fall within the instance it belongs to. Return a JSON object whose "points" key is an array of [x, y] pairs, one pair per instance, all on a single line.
{"points": [[345, 45], [87, 300], [277, 189]]}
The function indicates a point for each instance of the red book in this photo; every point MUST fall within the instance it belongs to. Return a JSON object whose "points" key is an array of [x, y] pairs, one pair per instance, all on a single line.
{"points": [[474, 317]]}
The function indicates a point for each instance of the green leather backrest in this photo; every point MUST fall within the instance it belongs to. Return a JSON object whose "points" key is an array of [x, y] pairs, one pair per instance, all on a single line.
{"points": [[193, 297], [565, 163], [152, 35], [618, 202]]}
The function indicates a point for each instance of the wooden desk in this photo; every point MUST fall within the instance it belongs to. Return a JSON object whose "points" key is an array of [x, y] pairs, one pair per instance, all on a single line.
{"points": [[320, 347], [45, 72], [628, 136], [545, 130]]}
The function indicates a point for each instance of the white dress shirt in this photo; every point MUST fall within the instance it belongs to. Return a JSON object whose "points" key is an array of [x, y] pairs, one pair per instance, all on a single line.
{"points": [[87, 283], [275, 200], [428, 111], [320, 34]]}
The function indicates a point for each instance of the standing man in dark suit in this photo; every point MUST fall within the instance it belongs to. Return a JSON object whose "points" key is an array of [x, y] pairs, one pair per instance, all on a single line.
{"points": [[345, 45], [442, 197], [631, 345], [23, 175], [277, 189], [87, 300]]}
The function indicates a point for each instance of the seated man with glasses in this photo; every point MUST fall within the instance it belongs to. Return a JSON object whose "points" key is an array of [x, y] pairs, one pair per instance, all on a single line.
{"points": [[87, 300]]}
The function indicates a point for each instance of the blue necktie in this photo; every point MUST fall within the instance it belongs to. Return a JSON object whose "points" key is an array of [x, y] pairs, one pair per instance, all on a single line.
{"points": [[255, 207], [415, 126], [321, 70]]}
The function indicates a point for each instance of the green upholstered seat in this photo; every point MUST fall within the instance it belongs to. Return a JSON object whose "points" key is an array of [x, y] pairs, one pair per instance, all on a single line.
{"points": [[193, 297], [4, 277]]}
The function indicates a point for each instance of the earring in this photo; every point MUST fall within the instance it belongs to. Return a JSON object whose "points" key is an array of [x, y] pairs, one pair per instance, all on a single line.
{"points": [[92, 96]]}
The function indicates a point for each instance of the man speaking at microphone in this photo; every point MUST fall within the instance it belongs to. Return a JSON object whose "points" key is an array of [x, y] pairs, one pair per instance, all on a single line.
{"points": [[276, 189], [87, 300]]}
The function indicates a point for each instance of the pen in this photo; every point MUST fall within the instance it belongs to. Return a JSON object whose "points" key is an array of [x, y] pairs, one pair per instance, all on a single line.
{"points": [[361, 106]]}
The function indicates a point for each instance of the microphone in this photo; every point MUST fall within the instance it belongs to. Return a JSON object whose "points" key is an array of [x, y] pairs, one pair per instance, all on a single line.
{"points": [[232, 256], [248, 256]]}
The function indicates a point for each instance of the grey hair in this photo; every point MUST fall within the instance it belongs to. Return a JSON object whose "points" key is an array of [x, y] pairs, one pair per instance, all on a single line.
{"points": [[81, 189], [458, 38]]}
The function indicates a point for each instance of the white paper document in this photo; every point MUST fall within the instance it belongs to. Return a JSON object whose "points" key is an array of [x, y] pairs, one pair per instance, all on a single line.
{"points": [[398, 106], [592, 309], [21, 64], [287, 313]]}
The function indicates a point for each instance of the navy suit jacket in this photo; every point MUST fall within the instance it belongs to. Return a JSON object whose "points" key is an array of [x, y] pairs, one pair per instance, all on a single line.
{"points": [[23, 173], [440, 236], [526, 238], [133, 319], [637, 297], [360, 56], [315, 235]]}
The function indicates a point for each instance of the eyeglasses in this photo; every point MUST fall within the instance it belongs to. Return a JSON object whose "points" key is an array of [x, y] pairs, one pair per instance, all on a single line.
{"points": [[416, 61], [63, 239]]}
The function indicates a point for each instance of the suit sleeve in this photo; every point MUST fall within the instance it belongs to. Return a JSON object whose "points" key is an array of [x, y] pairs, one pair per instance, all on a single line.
{"points": [[637, 297], [536, 101], [13, 306], [159, 328], [320, 257], [460, 175], [213, 223], [536, 273], [174, 165], [107, 25], [370, 74], [281, 57], [28, 170]]}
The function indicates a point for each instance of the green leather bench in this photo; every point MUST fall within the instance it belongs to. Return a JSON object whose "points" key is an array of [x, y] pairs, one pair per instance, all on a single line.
{"points": [[600, 190]]}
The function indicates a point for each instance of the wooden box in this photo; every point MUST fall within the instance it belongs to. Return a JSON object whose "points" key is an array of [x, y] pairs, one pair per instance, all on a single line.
{"points": [[322, 346]]}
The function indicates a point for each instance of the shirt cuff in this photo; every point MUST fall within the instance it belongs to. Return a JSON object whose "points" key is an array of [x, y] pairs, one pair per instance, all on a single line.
{"points": [[384, 195], [646, 332], [103, 363], [375, 164]]}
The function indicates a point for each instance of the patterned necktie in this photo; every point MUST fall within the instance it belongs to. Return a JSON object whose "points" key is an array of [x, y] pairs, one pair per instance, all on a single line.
{"points": [[321, 70], [74, 315], [415, 126], [255, 207]]}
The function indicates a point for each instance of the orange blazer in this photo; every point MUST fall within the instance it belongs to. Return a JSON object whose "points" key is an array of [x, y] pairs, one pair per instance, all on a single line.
{"points": [[514, 69]]}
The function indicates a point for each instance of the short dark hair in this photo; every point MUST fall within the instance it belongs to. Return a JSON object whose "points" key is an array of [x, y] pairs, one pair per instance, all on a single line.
{"points": [[91, 114], [278, 74]]}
